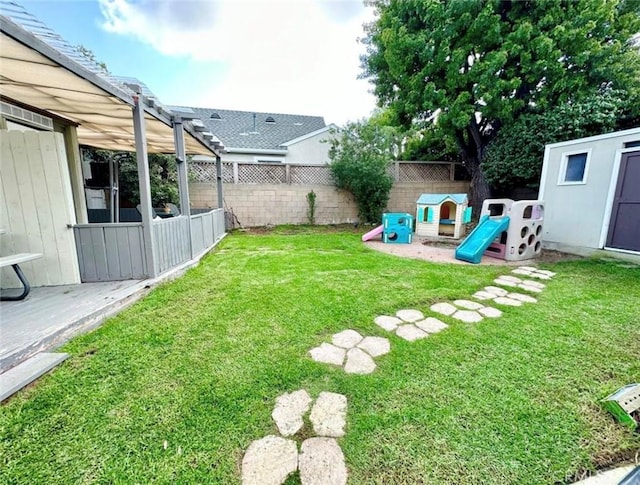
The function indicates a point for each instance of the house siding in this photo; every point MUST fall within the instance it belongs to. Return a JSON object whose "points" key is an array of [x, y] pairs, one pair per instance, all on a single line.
{"points": [[576, 214]]}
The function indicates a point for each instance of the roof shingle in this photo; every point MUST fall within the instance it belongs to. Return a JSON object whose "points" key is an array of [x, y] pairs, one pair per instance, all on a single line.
{"points": [[236, 129]]}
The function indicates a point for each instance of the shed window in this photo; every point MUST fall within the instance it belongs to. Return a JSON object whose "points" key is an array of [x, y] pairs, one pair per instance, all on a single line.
{"points": [[574, 167]]}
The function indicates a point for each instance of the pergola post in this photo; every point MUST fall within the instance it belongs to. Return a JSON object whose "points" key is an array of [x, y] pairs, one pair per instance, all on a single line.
{"points": [[219, 181], [142, 161], [181, 159], [183, 181]]}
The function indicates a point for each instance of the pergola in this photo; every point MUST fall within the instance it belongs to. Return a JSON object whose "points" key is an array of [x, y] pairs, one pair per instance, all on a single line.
{"points": [[40, 71]]}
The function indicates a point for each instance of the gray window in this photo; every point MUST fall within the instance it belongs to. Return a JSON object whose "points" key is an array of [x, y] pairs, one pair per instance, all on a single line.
{"points": [[576, 165]]}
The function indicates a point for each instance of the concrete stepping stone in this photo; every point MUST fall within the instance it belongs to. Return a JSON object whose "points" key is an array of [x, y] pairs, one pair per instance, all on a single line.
{"points": [[443, 308], [503, 300], [375, 346], [346, 339], [322, 462], [522, 298], [532, 289], [359, 362], [328, 354], [431, 325], [468, 305], [490, 312], [410, 332], [513, 279], [484, 295], [409, 316], [550, 274], [540, 276], [289, 411], [496, 290], [329, 415], [520, 271], [268, 461], [534, 284], [528, 268], [505, 282], [467, 316], [388, 323]]}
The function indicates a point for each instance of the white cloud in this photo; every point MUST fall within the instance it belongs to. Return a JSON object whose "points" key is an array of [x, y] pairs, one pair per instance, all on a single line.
{"points": [[293, 56]]}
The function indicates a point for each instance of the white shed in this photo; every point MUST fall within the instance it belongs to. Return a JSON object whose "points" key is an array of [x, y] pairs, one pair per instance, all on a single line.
{"points": [[590, 187]]}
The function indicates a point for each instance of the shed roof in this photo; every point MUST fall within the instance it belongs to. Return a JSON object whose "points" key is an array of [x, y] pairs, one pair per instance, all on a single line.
{"points": [[236, 129], [41, 70], [435, 199]]}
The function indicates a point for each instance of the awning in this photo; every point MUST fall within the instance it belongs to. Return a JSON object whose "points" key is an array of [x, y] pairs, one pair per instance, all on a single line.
{"points": [[35, 74]]}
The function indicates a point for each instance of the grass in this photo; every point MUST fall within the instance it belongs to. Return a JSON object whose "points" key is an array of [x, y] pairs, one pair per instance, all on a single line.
{"points": [[176, 387]]}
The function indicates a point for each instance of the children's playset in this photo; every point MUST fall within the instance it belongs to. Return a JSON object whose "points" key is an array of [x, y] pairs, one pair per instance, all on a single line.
{"points": [[509, 230], [443, 215]]}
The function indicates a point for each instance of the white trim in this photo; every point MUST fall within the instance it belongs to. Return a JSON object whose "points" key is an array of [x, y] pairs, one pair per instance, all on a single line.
{"points": [[543, 174], [625, 251], [608, 208], [261, 151], [632, 131], [268, 159], [308, 135], [562, 173]]}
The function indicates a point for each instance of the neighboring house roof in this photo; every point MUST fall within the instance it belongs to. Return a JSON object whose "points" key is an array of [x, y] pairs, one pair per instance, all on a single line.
{"points": [[271, 131], [435, 199]]}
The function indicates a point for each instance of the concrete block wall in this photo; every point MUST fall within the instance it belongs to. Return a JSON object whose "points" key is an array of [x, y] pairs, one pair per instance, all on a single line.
{"points": [[262, 204]]}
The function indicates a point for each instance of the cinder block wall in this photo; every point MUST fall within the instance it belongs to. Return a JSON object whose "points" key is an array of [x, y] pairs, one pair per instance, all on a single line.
{"points": [[262, 204]]}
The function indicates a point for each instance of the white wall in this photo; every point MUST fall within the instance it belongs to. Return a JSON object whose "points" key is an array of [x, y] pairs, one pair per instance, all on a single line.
{"points": [[312, 150], [575, 214]]}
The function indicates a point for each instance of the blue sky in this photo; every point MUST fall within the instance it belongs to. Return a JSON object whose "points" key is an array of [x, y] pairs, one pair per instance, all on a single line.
{"points": [[283, 56]]}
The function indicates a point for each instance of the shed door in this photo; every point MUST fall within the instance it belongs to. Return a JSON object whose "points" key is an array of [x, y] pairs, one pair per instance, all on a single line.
{"points": [[624, 227]]}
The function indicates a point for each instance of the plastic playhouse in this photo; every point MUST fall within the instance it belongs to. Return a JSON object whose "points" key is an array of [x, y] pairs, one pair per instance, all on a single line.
{"points": [[507, 230], [396, 228], [442, 215]]}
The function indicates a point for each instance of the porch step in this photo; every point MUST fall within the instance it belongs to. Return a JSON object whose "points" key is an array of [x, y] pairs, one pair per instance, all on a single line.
{"points": [[28, 371]]}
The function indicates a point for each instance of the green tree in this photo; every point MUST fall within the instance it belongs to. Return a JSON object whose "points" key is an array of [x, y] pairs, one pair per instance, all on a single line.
{"points": [[360, 154], [473, 67], [514, 157], [163, 175]]}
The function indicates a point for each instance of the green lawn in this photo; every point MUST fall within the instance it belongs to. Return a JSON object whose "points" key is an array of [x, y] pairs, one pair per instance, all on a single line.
{"points": [[176, 387]]}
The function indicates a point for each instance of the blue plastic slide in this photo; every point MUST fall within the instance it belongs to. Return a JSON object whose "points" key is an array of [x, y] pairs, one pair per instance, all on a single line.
{"points": [[481, 237]]}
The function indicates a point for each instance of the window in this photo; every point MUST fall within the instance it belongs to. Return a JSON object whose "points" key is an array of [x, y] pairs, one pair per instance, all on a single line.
{"points": [[215, 116], [270, 119], [574, 167], [632, 144]]}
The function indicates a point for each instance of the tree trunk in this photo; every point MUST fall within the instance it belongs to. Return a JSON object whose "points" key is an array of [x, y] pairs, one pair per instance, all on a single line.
{"points": [[479, 188], [472, 149]]}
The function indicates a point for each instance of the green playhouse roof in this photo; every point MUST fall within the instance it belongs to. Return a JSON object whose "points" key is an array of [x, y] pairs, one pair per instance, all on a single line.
{"points": [[435, 199]]}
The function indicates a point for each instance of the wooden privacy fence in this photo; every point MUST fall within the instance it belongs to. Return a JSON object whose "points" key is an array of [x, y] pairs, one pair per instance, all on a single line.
{"points": [[296, 174], [114, 252]]}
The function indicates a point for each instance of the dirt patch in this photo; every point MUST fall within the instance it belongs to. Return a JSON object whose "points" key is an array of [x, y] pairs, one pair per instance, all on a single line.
{"points": [[442, 251]]}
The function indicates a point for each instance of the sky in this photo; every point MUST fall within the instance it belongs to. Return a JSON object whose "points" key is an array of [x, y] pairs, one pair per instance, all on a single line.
{"points": [[279, 56]]}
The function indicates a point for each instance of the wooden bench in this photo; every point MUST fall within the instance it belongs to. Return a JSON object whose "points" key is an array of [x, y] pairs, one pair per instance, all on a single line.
{"points": [[14, 261]]}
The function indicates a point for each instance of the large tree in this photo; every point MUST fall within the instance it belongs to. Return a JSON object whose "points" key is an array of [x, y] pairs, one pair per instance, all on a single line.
{"points": [[475, 66]]}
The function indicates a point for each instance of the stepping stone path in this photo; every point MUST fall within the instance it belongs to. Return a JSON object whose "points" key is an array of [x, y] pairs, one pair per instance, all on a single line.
{"points": [[351, 350], [270, 460], [410, 325], [466, 310]]}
